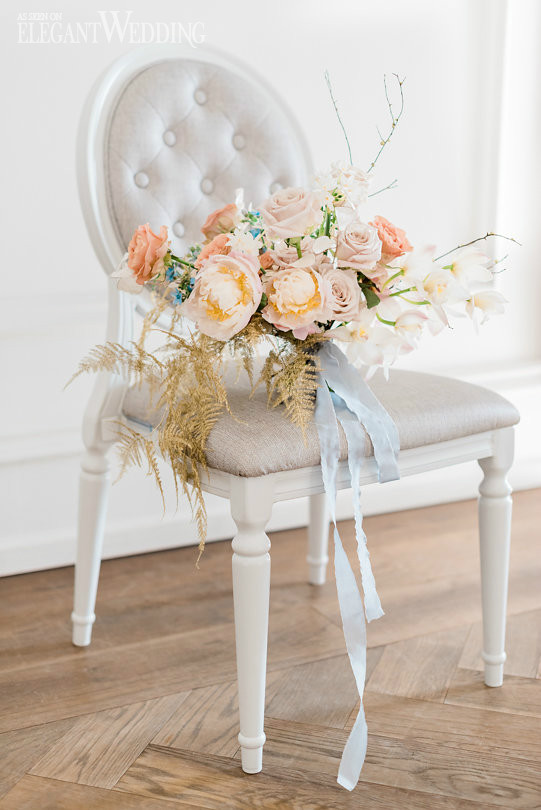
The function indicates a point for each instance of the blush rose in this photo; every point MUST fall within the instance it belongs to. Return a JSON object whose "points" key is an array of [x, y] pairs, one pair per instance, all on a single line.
{"points": [[358, 246], [291, 212]]}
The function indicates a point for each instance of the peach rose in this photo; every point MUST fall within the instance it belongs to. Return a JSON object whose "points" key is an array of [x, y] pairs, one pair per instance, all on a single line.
{"points": [[346, 299], [394, 240], [358, 246], [226, 293], [291, 212], [266, 260], [146, 251], [298, 297], [223, 220], [217, 245]]}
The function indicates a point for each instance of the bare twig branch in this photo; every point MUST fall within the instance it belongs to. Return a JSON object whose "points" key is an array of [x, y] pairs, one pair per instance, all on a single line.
{"points": [[394, 119], [386, 188], [479, 239], [335, 105]]}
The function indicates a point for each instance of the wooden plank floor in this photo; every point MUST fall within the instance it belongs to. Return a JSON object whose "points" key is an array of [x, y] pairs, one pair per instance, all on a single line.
{"points": [[146, 718]]}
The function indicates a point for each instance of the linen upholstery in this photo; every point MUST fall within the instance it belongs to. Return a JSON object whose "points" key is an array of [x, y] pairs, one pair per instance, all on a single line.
{"points": [[426, 408], [182, 137]]}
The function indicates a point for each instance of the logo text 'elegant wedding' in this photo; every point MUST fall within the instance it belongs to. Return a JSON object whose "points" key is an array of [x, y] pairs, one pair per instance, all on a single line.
{"points": [[49, 28]]}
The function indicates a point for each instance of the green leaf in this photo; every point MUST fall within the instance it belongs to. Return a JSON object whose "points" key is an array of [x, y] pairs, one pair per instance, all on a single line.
{"points": [[372, 299]]}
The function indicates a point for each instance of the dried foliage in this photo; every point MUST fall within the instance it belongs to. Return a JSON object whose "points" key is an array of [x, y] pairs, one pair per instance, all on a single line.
{"points": [[187, 394]]}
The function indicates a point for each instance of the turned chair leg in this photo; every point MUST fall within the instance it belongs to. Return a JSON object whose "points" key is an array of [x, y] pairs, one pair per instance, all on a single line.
{"points": [[251, 506], [318, 540], [495, 537], [93, 496]]}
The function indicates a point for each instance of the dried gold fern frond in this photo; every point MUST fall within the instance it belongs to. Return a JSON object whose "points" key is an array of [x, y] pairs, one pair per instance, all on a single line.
{"points": [[185, 381], [117, 359]]}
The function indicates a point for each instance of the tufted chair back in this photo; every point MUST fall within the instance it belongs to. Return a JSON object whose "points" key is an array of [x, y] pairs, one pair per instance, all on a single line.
{"points": [[182, 134]]}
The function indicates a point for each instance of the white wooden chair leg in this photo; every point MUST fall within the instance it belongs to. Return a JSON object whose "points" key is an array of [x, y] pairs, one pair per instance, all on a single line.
{"points": [[93, 496], [495, 536], [251, 506], [318, 539]]}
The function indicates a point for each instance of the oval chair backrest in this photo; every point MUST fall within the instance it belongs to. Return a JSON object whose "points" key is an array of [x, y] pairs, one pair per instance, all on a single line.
{"points": [[167, 136]]}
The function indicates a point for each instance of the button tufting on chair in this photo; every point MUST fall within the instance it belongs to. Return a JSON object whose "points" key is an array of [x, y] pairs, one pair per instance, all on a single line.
{"points": [[165, 99], [274, 187], [141, 179], [169, 138], [178, 229], [207, 186], [239, 141]]}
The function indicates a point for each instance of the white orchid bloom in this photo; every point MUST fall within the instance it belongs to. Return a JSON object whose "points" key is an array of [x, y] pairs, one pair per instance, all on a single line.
{"points": [[414, 266], [487, 302], [409, 326], [469, 266], [441, 288], [126, 280]]}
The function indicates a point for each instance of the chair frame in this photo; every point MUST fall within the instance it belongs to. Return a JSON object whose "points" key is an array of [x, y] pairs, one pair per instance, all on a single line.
{"points": [[251, 499]]}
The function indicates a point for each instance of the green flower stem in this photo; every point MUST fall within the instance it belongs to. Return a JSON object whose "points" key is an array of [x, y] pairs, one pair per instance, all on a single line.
{"points": [[401, 292], [382, 320], [392, 278], [417, 303], [182, 261]]}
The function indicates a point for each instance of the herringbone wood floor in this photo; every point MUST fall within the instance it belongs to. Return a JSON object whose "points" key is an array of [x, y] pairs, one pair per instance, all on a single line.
{"points": [[145, 719]]}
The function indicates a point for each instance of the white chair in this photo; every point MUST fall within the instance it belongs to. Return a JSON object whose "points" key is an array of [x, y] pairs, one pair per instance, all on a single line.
{"points": [[166, 137]]}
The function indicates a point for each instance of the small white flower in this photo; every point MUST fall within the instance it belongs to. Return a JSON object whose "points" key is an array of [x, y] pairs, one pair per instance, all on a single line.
{"points": [[348, 180], [242, 242]]}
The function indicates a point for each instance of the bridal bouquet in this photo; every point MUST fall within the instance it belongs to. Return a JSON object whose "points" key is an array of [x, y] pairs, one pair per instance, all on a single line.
{"points": [[307, 266], [324, 286]]}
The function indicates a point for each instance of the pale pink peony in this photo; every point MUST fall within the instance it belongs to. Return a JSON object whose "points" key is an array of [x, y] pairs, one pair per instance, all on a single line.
{"points": [[298, 297], [394, 240], [346, 302], [146, 251], [291, 212], [223, 220], [219, 245], [358, 246], [226, 293]]}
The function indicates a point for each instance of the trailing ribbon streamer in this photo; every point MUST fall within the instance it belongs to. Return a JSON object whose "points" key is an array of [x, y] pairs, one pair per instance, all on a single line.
{"points": [[354, 404]]}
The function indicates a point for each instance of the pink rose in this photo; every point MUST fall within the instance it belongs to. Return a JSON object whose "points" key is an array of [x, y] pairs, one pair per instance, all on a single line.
{"points": [[393, 239], [223, 220], [346, 299], [298, 297], [358, 246], [291, 212], [146, 251], [226, 293], [217, 245]]}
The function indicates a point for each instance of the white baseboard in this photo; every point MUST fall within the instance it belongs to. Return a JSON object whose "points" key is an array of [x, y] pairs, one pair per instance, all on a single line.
{"points": [[34, 538]]}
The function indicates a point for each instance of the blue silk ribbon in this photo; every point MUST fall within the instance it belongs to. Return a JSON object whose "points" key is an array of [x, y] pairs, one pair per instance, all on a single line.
{"points": [[355, 406]]}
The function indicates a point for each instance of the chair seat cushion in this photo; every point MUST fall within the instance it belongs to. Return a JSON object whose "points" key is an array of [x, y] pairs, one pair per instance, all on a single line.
{"points": [[261, 440]]}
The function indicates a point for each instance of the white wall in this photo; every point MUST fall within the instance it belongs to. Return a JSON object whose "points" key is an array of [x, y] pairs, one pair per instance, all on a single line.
{"points": [[460, 173]]}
